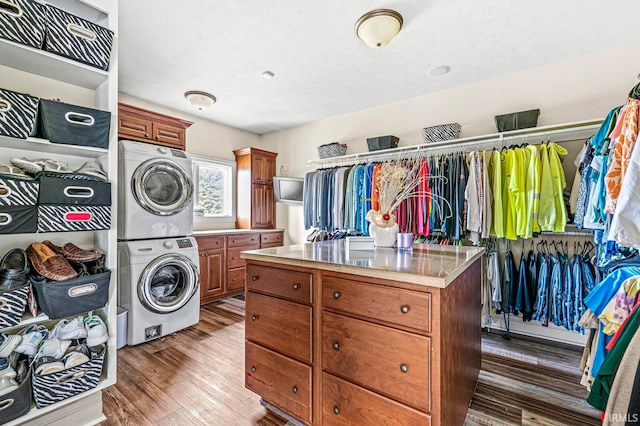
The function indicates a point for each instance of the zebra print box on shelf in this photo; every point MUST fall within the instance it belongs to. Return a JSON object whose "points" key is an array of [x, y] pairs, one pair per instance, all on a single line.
{"points": [[76, 38], [22, 21], [442, 132], [18, 113], [12, 304], [55, 387], [61, 218], [17, 191]]}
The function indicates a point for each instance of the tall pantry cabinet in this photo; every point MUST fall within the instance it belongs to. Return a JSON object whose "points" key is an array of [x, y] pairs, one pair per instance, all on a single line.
{"points": [[256, 201], [44, 75]]}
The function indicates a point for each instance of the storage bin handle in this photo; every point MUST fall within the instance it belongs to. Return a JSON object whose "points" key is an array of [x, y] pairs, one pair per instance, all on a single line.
{"points": [[77, 191], [11, 8], [71, 377], [6, 403], [82, 290], [5, 219], [5, 105], [77, 216], [3, 302], [5, 191], [80, 31], [78, 118]]}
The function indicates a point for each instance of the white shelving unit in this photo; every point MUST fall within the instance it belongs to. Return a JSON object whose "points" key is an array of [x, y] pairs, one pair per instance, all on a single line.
{"points": [[39, 73]]}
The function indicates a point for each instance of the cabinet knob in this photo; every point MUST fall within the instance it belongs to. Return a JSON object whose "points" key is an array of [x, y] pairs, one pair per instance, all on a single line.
{"points": [[254, 278], [234, 278], [336, 346], [254, 317], [294, 389], [336, 295], [295, 286], [404, 309], [404, 368], [233, 257], [252, 239], [233, 241], [336, 410], [146, 135], [253, 368]]}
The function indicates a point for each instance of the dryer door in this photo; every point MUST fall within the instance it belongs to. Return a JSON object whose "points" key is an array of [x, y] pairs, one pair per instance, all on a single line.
{"points": [[168, 283], [162, 187]]}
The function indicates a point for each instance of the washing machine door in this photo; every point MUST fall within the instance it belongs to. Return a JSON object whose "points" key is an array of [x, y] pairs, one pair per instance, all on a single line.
{"points": [[167, 283], [162, 187]]}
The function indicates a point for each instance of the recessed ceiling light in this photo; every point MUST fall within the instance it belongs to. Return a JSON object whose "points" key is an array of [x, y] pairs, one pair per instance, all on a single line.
{"points": [[268, 74], [200, 100], [439, 70]]}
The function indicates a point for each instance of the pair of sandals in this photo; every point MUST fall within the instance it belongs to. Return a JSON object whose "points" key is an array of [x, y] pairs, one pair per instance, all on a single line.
{"points": [[21, 165]]}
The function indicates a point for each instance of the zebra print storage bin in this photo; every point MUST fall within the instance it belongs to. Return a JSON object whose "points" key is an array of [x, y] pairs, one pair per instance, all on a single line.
{"points": [[60, 218], [442, 132], [55, 387], [18, 198], [22, 21], [12, 304], [76, 38], [18, 113]]}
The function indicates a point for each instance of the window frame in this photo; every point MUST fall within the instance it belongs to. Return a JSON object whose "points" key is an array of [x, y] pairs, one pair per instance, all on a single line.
{"points": [[197, 160]]}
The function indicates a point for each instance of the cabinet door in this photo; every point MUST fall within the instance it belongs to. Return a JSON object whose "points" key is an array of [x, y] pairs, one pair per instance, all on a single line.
{"points": [[269, 212], [212, 274], [258, 168], [165, 134], [133, 127], [269, 170], [260, 206]]}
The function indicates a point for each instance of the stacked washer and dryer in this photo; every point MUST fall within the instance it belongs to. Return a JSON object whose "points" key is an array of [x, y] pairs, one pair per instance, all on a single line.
{"points": [[158, 281]]}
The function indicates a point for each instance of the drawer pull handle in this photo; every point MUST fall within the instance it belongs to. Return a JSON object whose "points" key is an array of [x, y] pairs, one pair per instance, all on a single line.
{"points": [[233, 241], [253, 368], [404, 368], [254, 317], [404, 309], [294, 389], [233, 257], [336, 295], [336, 410], [254, 278], [296, 286], [336, 346]]}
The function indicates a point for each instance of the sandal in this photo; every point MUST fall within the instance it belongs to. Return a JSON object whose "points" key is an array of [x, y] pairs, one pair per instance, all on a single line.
{"points": [[12, 171], [56, 166], [29, 166], [93, 169]]}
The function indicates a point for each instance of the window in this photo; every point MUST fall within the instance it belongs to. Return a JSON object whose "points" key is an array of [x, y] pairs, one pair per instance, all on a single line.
{"points": [[215, 188]]}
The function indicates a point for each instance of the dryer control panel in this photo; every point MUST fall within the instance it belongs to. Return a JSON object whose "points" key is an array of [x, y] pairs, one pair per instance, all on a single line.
{"points": [[184, 243]]}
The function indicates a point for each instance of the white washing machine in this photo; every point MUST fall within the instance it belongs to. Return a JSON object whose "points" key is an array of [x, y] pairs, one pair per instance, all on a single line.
{"points": [[158, 284], [155, 192]]}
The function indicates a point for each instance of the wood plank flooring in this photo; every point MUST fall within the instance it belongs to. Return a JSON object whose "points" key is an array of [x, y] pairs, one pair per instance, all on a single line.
{"points": [[195, 377]]}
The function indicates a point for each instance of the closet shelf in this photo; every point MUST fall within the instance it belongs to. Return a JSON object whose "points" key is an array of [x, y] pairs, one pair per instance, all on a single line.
{"points": [[47, 147], [555, 133]]}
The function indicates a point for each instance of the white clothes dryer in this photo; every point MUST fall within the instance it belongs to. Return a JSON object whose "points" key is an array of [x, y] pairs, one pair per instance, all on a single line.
{"points": [[159, 286], [155, 192]]}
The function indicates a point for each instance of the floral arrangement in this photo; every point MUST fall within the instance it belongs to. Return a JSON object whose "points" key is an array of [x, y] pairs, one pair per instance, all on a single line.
{"points": [[395, 182]]}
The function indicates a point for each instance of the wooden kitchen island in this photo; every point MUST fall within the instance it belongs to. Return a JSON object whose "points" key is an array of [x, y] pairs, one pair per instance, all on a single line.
{"points": [[338, 337]]}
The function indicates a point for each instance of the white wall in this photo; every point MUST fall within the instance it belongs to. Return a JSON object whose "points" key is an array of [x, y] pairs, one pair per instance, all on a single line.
{"points": [[206, 138], [574, 90]]}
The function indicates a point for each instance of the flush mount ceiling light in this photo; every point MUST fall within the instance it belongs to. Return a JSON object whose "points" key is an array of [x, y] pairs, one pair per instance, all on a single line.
{"points": [[268, 74], [200, 100], [439, 70], [378, 27]]}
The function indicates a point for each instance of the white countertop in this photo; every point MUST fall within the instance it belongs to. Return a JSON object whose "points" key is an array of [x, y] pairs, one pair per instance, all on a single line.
{"points": [[234, 231], [427, 264]]}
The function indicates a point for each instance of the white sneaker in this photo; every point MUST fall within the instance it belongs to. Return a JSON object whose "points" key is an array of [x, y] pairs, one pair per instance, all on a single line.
{"points": [[70, 330], [96, 330], [31, 337], [76, 356], [7, 385], [48, 365], [53, 347], [6, 370], [8, 343]]}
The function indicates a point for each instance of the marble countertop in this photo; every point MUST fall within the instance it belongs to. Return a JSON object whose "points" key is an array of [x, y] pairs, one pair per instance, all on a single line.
{"points": [[234, 231], [427, 264]]}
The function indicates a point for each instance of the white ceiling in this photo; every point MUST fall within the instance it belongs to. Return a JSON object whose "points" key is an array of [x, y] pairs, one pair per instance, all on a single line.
{"points": [[323, 70]]}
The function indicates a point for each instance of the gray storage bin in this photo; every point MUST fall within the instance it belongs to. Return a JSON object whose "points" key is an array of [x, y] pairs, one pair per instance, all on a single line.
{"points": [[382, 142], [517, 120]]}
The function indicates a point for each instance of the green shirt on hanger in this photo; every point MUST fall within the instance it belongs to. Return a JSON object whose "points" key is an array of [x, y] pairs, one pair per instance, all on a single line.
{"points": [[495, 181], [518, 184], [547, 208], [556, 155], [509, 190], [532, 190]]}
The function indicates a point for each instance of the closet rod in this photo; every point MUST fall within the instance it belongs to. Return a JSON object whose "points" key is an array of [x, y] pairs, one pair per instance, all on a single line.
{"points": [[557, 133]]}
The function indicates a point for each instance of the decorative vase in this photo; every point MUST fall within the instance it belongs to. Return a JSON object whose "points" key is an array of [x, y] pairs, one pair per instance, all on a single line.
{"points": [[383, 237]]}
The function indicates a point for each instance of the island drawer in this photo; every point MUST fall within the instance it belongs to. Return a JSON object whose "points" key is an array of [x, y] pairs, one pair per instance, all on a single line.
{"points": [[279, 380], [292, 285], [233, 256], [210, 242], [403, 307], [386, 360], [243, 240], [344, 403], [278, 324], [271, 237]]}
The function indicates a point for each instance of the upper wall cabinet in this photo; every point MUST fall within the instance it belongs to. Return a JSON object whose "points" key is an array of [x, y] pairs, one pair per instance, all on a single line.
{"points": [[147, 126]]}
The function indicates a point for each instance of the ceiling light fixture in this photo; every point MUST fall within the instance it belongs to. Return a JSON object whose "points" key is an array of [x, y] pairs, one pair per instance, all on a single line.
{"points": [[378, 27], [439, 70], [268, 74], [200, 100]]}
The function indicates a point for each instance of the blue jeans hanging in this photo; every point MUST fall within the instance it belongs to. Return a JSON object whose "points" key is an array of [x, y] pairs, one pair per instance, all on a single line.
{"points": [[555, 292], [542, 299]]}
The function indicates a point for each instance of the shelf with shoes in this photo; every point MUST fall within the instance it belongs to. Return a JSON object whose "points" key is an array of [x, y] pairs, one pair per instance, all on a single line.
{"points": [[25, 69]]}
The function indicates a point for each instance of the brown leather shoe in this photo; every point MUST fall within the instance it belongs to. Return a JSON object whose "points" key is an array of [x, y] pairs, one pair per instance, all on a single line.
{"points": [[49, 264], [73, 253]]}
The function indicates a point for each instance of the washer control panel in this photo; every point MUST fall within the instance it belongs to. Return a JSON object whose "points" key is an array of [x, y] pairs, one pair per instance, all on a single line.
{"points": [[184, 243]]}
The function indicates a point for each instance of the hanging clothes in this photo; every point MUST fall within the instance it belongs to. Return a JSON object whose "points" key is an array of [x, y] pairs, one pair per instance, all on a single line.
{"points": [[541, 312], [523, 292]]}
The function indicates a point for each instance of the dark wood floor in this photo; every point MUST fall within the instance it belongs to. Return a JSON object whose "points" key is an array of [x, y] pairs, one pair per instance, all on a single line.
{"points": [[195, 377]]}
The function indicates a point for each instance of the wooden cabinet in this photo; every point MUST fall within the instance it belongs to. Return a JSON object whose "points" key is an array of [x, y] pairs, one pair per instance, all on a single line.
{"points": [[380, 351], [222, 270], [256, 208], [147, 126]]}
